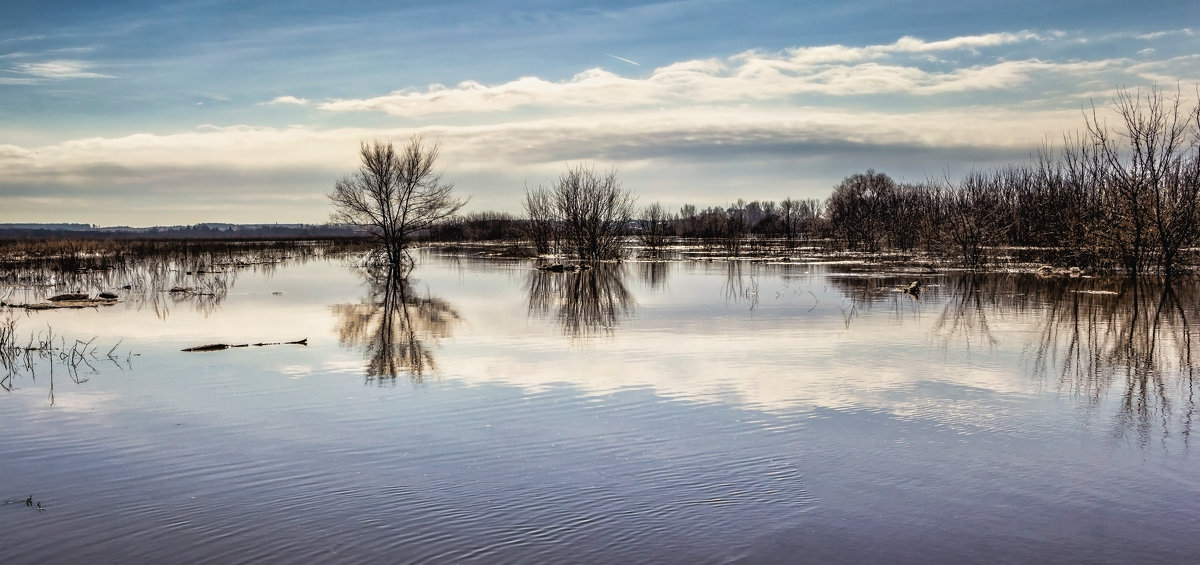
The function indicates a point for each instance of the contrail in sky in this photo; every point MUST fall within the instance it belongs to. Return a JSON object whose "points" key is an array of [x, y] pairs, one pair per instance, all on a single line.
{"points": [[624, 59]]}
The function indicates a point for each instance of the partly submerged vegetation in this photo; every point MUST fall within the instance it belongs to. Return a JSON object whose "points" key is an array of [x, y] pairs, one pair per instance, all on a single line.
{"points": [[23, 356], [394, 195]]}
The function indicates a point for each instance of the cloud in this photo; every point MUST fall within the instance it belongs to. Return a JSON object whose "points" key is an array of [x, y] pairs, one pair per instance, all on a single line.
{"points": [[754, 78], [673, 150], [905, 68], [23, 38], [289, 100], [61, 69], [905, 45], [1159, 34]]}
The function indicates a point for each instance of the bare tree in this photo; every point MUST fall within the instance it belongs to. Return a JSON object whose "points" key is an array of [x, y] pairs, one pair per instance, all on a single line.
{"points": [[594, 210], [974, 215], [734, 230], [656, 226], [1151, 179], [797, 216], [395, 194], [856, 208], [542, 224]]}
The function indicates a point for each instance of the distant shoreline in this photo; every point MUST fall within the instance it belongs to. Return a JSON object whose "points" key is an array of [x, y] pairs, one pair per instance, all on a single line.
{"points": [[208, 231]]}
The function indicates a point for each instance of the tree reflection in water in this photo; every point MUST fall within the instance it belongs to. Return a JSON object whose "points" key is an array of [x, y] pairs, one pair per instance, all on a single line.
{"points": [[583, 303], [1135, 339], [392, 325], [654, 273], [740, 288], [1113, 341]]}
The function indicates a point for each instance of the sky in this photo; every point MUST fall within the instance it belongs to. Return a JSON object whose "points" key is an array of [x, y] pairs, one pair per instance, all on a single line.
{"points": [[163, 113]]}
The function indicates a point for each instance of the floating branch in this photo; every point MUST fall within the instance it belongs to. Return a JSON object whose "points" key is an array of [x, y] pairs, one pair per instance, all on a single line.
{"points": [[222, 346], [74, 296], [72, 300]]}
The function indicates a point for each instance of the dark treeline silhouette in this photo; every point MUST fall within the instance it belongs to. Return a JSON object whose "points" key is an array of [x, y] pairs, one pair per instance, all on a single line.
{"points": [[479, 226], [205, 231], [1121, 198]]}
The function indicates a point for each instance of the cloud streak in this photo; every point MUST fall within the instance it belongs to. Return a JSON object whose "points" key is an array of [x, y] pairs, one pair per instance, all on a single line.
{"points": [[902, 68], [61, 69]]}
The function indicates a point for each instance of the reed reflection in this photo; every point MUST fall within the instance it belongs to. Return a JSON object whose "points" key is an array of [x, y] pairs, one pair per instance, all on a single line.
{"points": [[393, 326], [739, 287], [583, 303], [43, 353], [1118, 341], [1132, 338], [865, 293], [1108, 342], [654, 273]]}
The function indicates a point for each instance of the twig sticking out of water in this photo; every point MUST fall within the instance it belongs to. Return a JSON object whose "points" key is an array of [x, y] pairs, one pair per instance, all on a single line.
{"points": [[17, 359]]}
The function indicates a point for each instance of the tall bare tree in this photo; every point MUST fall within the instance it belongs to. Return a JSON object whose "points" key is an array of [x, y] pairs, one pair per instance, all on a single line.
{"points": [[395, 194], [595, 211], [1150, 179], [542, 224], [656, 226]]}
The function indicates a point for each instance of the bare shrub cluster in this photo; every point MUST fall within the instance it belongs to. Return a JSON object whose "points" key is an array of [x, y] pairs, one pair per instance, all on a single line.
{"points": [[585, 214]]}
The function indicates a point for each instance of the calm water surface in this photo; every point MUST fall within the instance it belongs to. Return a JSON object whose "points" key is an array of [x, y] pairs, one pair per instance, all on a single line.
{"points": [[483, 411]]}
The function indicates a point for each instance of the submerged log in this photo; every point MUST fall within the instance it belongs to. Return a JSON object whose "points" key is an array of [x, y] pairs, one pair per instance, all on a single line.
{"points": [[71, 296], [222, 346], [64, 304], [209, 347]]}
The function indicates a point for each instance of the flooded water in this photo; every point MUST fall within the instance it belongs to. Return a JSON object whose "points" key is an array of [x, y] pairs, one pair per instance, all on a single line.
{"points": [[693, 412]]}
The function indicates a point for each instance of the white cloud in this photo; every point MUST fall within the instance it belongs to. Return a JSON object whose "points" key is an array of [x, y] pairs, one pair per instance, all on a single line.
{"points": [[289, 100], [902, 68], [1159, 34], [754, 78], [24, 38], [825, 54], [669, 137], [58, 70]]}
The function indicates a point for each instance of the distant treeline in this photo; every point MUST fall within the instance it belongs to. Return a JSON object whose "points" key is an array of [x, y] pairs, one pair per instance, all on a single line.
{"points": [[1125, 199], [231, 232]]}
